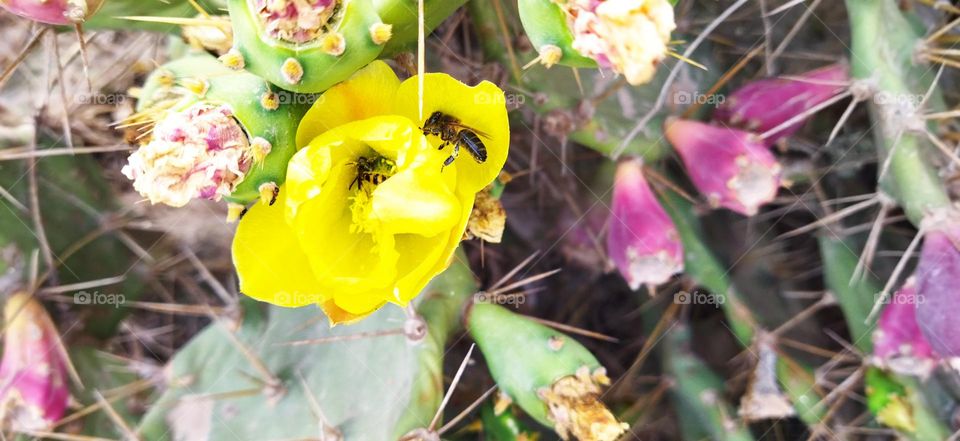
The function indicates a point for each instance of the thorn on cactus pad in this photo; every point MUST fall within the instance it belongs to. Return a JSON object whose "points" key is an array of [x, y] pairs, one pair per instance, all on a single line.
{"points": [[233, 59], [270, 100], [291, 70], [268, 193], [197, 86], [550, 55], [260, 148], [333, 44], [234, 212], [381, 33]]}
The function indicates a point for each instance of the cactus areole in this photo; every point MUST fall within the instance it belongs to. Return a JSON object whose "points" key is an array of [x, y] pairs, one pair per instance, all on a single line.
{"points": [[306, 45]]}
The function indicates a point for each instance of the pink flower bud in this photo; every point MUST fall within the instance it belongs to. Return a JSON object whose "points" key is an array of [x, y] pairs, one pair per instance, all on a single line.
{"points": [[898, 341], [732, 168], [33, 373], [765, 104], [938, 276], [642, 240], [55, 12]]}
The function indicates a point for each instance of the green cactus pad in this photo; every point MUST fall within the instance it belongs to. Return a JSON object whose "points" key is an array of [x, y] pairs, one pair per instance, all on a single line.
{"points": [[275, 121], [546, 25], [525, 356], [265, 56]]}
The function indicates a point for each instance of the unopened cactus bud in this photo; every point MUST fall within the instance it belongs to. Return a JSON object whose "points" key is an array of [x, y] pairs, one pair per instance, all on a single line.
{"points": [[732, 168], [231, 132], [558, 384], [766, 104], [55, 12], [34, 373], [306, 45], [629, 37], [642, 240], [898, 342], [938, 275]]}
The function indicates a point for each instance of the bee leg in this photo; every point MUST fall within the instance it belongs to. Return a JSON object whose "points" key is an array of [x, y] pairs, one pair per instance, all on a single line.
{"points": [[443, 145], [453, 156]]}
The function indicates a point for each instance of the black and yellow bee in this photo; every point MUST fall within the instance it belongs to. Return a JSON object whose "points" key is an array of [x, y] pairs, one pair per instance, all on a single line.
{"points": [[452, 131], [372, 171]]}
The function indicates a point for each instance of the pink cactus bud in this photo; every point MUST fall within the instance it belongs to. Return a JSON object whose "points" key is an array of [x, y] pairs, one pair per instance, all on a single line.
{"points": [[55, 12], [732, 168], [765, 104], [898, 339], [938, 276], [296, 21], [34, 391], [642, 240]]}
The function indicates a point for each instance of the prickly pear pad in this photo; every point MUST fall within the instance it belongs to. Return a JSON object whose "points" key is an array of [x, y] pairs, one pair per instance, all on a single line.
{"points": [[269, 123], [315, 59]]}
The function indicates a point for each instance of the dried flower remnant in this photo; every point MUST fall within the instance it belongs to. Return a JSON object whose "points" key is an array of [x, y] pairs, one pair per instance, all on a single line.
{"points": [[628, 36], [732, 168], [200, 152], [576, 410], [34, 389], [938, 275], [295, 21], [642, 240], [766, 104]]}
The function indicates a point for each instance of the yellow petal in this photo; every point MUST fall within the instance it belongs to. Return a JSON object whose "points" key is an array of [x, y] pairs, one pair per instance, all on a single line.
{"points": [[482, 108], [369, 92], [438, 253], [339, 316], [270, 263], [415, 201]]}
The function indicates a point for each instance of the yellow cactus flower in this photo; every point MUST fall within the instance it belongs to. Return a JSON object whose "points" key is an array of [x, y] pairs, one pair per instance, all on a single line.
{"points": [[368, 214]]}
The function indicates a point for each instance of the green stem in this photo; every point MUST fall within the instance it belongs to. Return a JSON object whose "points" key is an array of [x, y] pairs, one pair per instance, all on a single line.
{"points": [[883, 45], [855, 296]]}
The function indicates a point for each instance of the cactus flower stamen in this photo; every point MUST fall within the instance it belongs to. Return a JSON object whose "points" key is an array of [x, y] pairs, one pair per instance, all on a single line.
{"points": [[732, 168], [628, 36], [296, 21], [200, 152], [642, 240]]}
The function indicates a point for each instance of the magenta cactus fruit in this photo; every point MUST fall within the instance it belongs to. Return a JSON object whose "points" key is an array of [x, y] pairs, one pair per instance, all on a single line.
{"points": [[731, 167], [34, 389], [55, 12], [898, 342], [642, 240], [763, 105], [938, 276]]}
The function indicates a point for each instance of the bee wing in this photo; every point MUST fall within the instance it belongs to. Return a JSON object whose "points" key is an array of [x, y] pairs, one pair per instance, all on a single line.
{"points": [[466, 127]]}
